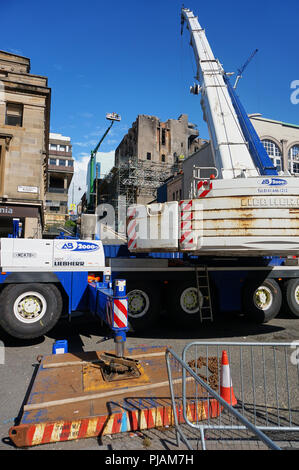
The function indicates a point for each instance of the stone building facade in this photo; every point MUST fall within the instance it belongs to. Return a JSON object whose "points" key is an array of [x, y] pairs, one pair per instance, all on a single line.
{"points": [[24, 140], [153, 141], [151, 151], [281, 141], [59, 177], [175, 187]]}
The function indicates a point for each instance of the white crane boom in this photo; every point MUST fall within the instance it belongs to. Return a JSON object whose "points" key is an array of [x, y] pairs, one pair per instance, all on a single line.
{"points": [[231, 153]]}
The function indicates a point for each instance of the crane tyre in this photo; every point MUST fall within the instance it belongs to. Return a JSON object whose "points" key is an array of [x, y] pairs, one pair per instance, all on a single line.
{"points": [[262, 300], [29, 310], [143, 304], [182, 303], [291, 297]]}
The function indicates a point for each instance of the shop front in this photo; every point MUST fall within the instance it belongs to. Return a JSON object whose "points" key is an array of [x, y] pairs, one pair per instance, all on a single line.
{"points": [[29, 217]]}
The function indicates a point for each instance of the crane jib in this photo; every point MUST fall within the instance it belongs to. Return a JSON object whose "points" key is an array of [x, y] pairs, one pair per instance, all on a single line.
{"points": [[237, 148], [257, 151]]}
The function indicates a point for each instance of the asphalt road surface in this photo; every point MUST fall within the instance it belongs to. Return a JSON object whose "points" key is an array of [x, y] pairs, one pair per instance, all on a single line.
{"points": [[84, 334]]}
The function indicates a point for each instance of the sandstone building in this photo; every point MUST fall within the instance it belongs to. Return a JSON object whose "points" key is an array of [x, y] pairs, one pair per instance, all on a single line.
{"points": [[24, 141], [150, 151], [153, 141], [281, 140], [59, 177]]}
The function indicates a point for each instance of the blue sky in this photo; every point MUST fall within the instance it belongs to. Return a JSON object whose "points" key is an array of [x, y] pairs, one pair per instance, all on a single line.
{"points": [[129, 57]]}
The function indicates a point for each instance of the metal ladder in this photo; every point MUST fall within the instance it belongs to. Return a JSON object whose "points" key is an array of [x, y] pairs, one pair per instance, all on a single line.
{"points": [[203, 288]]}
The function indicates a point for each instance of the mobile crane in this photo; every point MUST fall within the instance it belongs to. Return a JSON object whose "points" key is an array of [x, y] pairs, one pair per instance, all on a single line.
{"points": [[230, 247], [241, 223]]}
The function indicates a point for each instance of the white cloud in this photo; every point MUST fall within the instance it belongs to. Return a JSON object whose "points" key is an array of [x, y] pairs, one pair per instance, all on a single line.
{"points": [[89, 143], [107, 161], [78, 185]]}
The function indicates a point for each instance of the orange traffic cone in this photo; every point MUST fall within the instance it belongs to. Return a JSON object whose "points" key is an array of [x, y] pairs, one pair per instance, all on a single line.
{"points": [[226, 387]]}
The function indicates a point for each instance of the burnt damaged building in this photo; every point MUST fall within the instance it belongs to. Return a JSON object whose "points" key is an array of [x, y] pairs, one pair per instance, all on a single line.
{"points": [[150, 152], [150, 140]]}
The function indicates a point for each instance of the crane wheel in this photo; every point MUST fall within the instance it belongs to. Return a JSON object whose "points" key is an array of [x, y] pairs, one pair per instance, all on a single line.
{"points": [[29, 310], [262, 300], [291, 297]]}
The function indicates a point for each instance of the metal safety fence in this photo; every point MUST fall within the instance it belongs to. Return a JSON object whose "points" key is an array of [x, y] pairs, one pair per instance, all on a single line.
{"points": [[258, 409]]}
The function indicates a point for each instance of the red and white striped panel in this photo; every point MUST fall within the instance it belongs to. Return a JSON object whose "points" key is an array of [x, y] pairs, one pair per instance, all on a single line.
{"points": [[132, 234], [190, 205], [191, 216], [120, 311], [187, 238], [131, 212], [186, 205], [203, 188], [155, 416], [185, 225], [131, 228], [187, 216]]}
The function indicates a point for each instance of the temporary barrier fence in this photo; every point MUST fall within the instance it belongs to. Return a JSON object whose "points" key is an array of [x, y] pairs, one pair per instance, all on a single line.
{"points": [[263, 378]]}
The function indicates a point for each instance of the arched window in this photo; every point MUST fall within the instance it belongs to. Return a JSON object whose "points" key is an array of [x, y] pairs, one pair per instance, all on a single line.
{"points": [[293, 159], [274, 153]]}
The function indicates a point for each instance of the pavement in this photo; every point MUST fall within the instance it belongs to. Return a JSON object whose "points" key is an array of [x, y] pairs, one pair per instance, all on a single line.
{"points": [[83, 334]]}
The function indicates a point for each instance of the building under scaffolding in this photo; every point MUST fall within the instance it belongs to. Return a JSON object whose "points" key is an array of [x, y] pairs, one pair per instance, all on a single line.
{"points": [[149, 153], [133, 182]]}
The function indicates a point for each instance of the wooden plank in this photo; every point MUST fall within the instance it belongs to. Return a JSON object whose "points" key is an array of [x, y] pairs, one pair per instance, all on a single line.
{"points": [[95, 361], [65, 401]]}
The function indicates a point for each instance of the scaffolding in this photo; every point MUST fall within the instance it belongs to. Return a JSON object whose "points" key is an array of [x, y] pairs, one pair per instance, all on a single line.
{"points": [[141, 178], [134, 181]]}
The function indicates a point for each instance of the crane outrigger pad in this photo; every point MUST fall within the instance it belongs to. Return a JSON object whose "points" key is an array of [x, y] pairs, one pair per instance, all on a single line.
{"points": [[71, 399]]}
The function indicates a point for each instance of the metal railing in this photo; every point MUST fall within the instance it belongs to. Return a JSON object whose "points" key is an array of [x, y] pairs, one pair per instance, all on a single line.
{"points": [[265, 379]]}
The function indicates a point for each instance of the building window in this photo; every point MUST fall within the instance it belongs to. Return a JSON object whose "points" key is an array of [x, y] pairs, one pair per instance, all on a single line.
{"points": [[293, 158], [70, 163], [52, 161], [163, 140], [148, 156], [53, 147], [163, 158], [14, 114], [62, 162], [274, 153], [62, 148]]}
